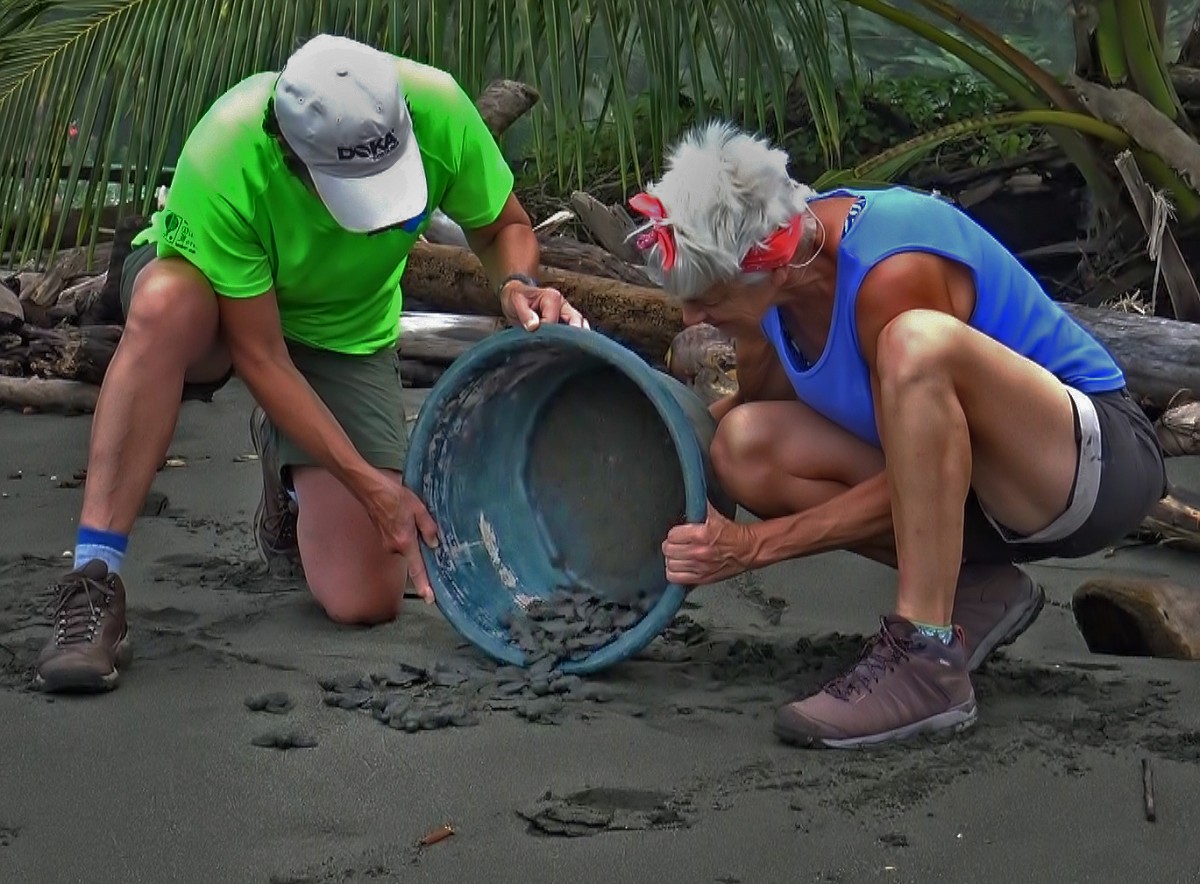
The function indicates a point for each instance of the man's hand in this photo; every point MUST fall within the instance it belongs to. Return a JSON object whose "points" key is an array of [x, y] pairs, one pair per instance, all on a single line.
{"points": [[530, 306], [403, 521], [509, 246], [713, 551]]}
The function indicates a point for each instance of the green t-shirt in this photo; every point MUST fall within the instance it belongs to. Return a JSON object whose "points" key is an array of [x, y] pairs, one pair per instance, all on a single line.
{"points": [[238, 214]]}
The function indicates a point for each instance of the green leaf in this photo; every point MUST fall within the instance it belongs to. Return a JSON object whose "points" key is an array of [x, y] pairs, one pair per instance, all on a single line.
{"points": [[134, 76], [893, 162]]}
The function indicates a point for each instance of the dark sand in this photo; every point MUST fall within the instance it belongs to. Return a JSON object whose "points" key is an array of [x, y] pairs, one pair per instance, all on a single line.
{"points": [[674, 777]]}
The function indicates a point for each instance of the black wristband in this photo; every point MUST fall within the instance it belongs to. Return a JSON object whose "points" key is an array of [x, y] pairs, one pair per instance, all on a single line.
{"points": [[518, 277]]}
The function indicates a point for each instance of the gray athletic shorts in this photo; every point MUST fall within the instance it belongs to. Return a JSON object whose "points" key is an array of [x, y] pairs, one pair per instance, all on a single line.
{"points": [[1120, 476]]}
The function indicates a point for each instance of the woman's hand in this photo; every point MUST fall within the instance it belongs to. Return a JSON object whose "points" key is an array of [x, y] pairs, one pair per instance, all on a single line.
{"points": [[710, 552]]}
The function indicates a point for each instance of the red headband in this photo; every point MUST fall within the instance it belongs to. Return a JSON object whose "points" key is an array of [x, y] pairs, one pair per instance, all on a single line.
{"points": [[659, 233], [775, 251]]}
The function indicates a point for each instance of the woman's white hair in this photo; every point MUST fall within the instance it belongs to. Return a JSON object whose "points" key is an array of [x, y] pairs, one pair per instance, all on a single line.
{"points": [[723, 190]]}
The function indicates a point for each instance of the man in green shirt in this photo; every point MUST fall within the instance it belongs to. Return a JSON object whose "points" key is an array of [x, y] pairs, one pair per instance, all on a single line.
{"points": [[278, 255]]}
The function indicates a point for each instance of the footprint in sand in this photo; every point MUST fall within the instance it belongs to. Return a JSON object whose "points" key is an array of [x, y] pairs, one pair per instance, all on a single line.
{"points": [[593, 811]]}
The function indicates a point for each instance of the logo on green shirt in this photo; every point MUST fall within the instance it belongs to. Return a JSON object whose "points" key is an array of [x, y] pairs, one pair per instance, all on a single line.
{"points": [[177, 233]]}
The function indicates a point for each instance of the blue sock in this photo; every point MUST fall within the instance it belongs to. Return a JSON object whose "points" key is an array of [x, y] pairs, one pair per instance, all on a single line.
{"points": [[106, 546], [944, 634]]}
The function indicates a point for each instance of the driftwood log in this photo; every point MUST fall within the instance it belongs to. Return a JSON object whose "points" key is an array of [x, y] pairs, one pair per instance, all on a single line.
{"points": [[503, 102], [1159, 356], [440, 338], [65, 353], [1140, 617], [49, 394], [1175, 520], [610, 226], [11, 311], [452, 279], [67, 266], [566, 253], [1178, 428]]}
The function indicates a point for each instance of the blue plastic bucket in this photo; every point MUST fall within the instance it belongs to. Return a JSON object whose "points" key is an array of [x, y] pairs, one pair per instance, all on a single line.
{"points": [[557, 457]]}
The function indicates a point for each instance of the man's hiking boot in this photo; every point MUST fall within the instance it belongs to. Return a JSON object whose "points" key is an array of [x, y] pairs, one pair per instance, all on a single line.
{"points": [[906, 683], [994, 604], [275, 519], [90, 643]]}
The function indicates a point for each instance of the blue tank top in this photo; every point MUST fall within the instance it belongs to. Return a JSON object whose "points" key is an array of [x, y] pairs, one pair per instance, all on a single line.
{"points": [[1011, 306]]}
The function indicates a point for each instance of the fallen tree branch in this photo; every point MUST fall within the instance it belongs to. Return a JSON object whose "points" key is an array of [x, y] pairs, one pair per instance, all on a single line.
{"points": [[66, 266], [68, 353]]}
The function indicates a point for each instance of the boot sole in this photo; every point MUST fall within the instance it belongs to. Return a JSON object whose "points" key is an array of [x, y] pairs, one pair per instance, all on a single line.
{"points": [[84, 682], [950, 722], [1009, 629]]}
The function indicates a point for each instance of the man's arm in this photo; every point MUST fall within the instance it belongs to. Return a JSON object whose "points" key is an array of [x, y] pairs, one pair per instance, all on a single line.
{"points": [[252, 331], [508, 245]]}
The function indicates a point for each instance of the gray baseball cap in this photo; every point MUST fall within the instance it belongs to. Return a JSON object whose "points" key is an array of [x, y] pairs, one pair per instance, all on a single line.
{"points": [[341, 108]]}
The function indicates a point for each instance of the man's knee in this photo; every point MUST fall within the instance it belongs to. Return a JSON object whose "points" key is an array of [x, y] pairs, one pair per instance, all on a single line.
{"points": [[173, 315], [355, 605], [172, 301], [915, 346]]}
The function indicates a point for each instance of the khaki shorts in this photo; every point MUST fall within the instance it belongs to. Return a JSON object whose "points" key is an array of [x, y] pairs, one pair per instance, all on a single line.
{"points": [[363, 392]]}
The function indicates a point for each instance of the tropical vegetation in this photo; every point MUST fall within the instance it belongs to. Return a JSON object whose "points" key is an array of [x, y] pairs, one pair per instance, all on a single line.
{"points": [[96, 96]]}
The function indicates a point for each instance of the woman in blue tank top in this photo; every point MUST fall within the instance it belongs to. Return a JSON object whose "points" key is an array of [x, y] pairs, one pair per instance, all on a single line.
{"points": [[907, 391]]}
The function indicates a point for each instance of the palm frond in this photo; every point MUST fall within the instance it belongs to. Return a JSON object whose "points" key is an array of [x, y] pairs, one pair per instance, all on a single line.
{"points": [[97, 96], [886, 166]]}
